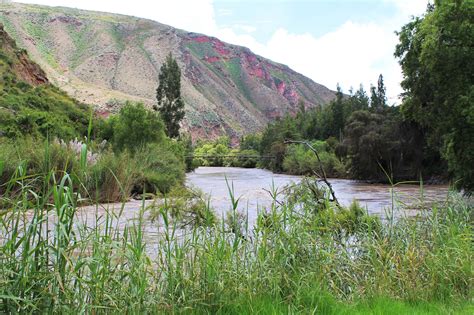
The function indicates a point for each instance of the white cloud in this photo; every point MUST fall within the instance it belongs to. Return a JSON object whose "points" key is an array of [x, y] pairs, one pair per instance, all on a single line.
{"points": [[352, 54], [245, 28], [224, 12]]}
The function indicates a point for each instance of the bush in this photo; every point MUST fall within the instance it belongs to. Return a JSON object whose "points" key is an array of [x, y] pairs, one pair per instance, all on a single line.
{"points": [[219, 153], [41, 112], [210, 153], [158, 169], [243, 158], [299, 160], [135, 127]]}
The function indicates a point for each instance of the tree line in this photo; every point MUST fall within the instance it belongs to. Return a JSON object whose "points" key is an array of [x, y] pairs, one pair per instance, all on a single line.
{"points": [[370, 139]]}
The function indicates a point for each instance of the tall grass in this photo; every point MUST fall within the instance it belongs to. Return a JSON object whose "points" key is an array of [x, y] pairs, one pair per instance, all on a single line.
{"points": [[300, 257], [98, 173]]}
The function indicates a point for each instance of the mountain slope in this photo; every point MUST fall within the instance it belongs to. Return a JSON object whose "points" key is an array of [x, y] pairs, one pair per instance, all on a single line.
{"points": [[29, 105], [104, 59]]}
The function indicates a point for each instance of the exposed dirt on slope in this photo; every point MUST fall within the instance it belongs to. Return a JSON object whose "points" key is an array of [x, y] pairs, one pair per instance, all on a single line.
{"points": [[21, 65]]}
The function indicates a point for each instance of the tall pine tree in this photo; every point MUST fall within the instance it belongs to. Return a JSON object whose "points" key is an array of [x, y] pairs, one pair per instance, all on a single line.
{"points": [[170, 104], [378, 98], [338, 113]]}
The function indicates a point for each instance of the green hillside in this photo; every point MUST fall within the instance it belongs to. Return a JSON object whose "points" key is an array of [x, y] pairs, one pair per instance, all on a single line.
{"points": [[29, 104]]}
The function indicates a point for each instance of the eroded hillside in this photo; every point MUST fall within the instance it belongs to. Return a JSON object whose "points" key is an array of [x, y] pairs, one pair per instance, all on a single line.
{"points": [[104, 59]]}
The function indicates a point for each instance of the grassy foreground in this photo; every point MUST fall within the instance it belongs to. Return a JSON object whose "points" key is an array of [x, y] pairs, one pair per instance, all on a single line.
{"points": [[302, 256]]}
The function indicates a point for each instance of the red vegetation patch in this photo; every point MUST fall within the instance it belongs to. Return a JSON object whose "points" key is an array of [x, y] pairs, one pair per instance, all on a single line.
{"points": [[281, 87], [259, 73], [251, 58], [291, 95], [288, 92], [255, 67], [201, 39], [220, 47], [212, 59]]}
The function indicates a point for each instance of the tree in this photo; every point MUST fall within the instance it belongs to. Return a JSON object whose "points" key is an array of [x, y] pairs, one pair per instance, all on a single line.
{"points": [[338, 113], [135, 127], [373, 143], [437, 61], [170, 104], [360, 100], [381, 91], [378, 98]]}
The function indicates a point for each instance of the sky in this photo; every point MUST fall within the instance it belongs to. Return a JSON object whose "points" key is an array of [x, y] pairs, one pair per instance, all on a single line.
{"points": [[345, 42]]}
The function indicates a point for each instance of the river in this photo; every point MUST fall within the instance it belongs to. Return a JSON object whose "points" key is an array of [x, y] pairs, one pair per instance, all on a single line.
{"points": [[252, 186]]}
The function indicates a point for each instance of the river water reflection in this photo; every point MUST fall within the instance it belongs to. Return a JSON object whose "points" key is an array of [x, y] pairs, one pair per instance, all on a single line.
{"points": [[252, 186]]}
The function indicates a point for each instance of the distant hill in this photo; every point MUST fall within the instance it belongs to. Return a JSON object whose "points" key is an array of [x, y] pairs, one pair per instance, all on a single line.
{"points": [[104, 59]]}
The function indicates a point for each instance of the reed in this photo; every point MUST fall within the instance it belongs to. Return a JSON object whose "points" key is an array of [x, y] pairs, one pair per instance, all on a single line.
{"points": [[300, 257]]}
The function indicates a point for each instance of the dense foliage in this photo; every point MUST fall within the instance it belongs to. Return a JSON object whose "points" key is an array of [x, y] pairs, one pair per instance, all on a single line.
{"points": [[301, 161], [116, 168], [38, 111], [133, 128], [437, 58], [138, 133], [100, 173], [168, 95], [220, 153], [42, 129], [363, 138]]}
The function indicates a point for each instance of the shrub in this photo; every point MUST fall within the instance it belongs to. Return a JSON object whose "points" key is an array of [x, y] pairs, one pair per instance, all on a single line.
{"points": [[158, 169], [40, 112], [135, 127], [299, 160], [210, 153], [242, 158]]}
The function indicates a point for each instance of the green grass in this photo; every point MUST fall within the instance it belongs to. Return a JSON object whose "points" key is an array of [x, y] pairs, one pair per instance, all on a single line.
{"points": [[302, 256], [201, 50], [109, 177], [81, 40], [36, 111], [279, 75], [235, 71], [41, 35], [10, 28], [117, 36], [40, 111]]}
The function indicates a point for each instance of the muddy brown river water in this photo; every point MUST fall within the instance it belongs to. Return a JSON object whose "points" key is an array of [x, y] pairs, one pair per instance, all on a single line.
{"points": [[252, 186]]}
